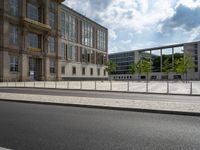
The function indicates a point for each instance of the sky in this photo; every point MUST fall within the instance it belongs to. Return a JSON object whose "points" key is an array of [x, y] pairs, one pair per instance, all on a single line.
{"points": [[138, 24]]}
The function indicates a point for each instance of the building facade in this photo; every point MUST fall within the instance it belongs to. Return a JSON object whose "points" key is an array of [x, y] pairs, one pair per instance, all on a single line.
{"points": [[157, 55], [45, 40]]}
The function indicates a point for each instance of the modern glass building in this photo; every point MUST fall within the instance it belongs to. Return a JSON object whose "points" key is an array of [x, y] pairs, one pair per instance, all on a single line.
{"points": [[158, 55], [46, 40]]}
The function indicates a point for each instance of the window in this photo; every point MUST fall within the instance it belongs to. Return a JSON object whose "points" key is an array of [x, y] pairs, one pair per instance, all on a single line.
{"points": [[34, 40], [52, 66], [88, 56], [32, 12], [52, 20], [71, 28], [51, 44], [83, 71], [63, 70], [101, 40], [63, 24], [98, 71], [52, 5], [87, 34], [13, 35], [14, 8], [91, 71], [63, 51], [13, 63], [71, 50], [83, 55], [73, 70]]}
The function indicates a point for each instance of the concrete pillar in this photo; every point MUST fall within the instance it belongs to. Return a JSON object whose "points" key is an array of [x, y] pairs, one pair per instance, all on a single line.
{"points": [[161, 66]]}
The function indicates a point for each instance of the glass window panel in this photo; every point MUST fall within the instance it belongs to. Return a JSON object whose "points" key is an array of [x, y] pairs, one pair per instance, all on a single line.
{"points": [[156, 60]]}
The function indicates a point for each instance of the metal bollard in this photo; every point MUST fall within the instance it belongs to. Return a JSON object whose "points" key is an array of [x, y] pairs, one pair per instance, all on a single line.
{"points": [[55, 84], [110, 85], [167, 87], [95, 84], [67, 84], [190, 88], [128, 86], [34, 84], [81, 85], [147, 88]]}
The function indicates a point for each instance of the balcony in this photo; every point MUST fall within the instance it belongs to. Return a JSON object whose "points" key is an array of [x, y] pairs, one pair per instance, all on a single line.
{"points": [[36, 24]]}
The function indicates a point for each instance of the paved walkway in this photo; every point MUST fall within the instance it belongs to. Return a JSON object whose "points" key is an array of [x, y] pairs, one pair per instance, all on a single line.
{"points": [[172, 106]]}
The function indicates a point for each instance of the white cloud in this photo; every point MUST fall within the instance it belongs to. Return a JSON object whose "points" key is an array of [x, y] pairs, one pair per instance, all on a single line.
{"points": [[126, 41], [137, 24], [189, 3], [112, 35]]}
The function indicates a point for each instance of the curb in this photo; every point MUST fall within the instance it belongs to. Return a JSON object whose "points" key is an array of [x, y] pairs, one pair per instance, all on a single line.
{"points": [[107, 107], [88, 90]]}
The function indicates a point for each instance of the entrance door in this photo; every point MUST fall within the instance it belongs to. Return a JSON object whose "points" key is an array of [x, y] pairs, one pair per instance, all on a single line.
{"points": [[35, 68]]}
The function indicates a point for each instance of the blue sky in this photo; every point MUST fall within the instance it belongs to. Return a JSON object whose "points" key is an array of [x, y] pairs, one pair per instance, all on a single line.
{"points": [[136, 24]]}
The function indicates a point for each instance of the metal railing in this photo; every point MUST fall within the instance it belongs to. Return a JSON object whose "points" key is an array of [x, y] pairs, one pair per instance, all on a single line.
{"points": [[167, 87]]}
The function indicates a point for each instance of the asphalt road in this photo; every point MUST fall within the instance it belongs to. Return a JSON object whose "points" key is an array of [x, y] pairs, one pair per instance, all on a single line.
{"points": [[96, 94], [47, 127]]}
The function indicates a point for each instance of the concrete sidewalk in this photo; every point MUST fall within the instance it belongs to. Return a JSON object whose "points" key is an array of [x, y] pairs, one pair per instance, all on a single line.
{"points": [[108, 103]]}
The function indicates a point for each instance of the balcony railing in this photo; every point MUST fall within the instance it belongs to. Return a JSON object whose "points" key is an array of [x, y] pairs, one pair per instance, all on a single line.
{"points": [[36, 23]]}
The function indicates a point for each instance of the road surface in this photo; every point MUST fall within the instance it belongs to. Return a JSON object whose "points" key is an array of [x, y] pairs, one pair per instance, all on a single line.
{"points": [[48, 127]]}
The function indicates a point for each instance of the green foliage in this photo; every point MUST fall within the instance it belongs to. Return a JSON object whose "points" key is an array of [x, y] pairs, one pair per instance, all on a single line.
{"points": [[167, 66], [146, 66], [110, 67], [184, 64], [133, 69]]}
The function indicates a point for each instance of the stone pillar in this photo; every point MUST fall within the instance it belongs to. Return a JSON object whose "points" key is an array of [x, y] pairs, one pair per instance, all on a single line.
{"points": [[23, 8], [58, 45], [46, 13], [24, 67], [46, 67]]}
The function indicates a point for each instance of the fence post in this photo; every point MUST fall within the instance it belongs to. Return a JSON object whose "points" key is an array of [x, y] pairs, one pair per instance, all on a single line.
{"points": [[110, 85], [67, 84], [128, 86], [80, 84], [190, 88], [167, 87], [147, 89], [55, 84], [95, 85]]}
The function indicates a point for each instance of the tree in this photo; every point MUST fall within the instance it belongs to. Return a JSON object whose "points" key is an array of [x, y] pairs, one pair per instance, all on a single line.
{"points": [[138, 67], [110, 67], [133, 69], [167, 67], [146, 67], [184, 64]]}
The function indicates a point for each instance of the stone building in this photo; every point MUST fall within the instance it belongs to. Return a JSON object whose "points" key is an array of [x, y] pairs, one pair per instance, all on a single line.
{"points": [[157, 55], [45, 40]]}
